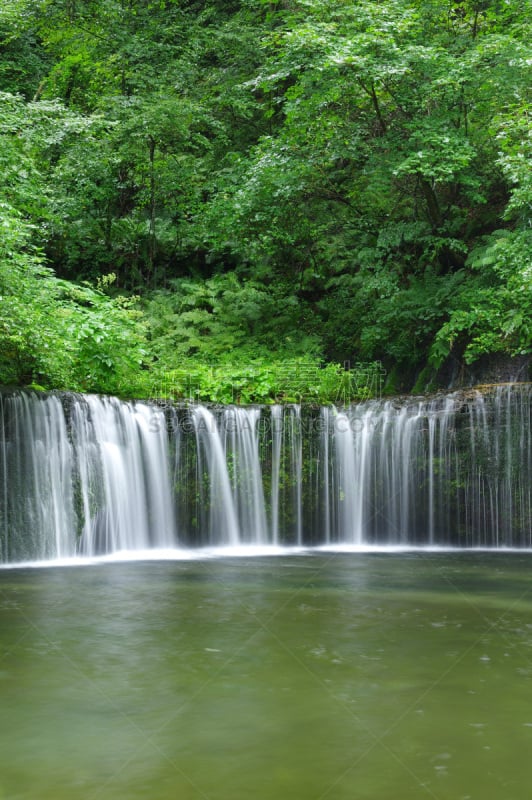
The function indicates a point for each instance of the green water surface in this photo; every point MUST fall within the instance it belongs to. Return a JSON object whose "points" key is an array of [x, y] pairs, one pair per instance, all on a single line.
{"points": [[338, 676]]}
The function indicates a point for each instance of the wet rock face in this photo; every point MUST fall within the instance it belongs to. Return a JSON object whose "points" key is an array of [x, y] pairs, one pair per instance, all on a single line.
{"points": [[501, 369], [497, 368]]}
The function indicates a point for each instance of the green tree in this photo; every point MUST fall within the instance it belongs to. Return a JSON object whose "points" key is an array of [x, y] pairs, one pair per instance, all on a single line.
{"points": [[351, 180]]}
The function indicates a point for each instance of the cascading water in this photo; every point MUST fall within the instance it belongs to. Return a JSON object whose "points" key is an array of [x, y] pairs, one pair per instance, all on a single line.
{"points": [[121, 459], [91, 475], [214, 480], [276, 416], [241, 439], [38, 517]]}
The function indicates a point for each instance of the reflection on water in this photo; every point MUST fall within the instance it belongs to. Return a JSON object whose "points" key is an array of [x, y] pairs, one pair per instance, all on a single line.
{"points": [[331, 675]]}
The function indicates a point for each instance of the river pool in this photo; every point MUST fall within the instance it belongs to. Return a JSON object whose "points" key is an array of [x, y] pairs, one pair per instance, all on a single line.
{"points": [[310, 676]]}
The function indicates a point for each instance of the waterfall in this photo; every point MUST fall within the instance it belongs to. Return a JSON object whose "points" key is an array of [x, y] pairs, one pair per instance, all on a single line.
{"points": [[88, 476], [324, 475], [295, 443], [277, 443], [215, 481], [92, 475], [241, 434], [121, 456], [37, 463]]}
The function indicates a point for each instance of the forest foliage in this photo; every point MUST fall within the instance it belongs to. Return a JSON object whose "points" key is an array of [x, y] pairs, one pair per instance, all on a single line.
{"points": [[231, 189]]}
